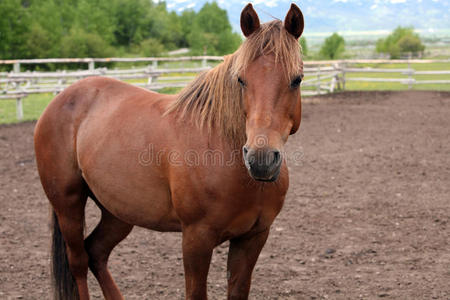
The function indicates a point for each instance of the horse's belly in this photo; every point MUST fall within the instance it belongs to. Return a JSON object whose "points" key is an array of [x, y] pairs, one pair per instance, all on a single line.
{"points": [[122, 165], [144, 202]]}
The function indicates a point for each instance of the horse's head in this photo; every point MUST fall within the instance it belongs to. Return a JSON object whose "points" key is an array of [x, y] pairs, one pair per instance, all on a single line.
{"points": [[271, 89]]}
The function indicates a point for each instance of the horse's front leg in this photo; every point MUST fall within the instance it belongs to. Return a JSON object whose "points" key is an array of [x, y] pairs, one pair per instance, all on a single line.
{"points": [[242, 257], [198, 245]]}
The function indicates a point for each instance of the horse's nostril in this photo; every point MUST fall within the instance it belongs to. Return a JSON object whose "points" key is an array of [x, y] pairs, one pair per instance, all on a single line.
{"points": [[276, 156], [245, 150]]}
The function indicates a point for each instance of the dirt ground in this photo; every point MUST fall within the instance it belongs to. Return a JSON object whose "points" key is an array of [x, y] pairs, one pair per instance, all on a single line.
{"points": [[367, 215]]}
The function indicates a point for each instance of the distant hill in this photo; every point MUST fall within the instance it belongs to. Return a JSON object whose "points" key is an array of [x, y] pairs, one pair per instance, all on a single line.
{"points": [[343, 15]]}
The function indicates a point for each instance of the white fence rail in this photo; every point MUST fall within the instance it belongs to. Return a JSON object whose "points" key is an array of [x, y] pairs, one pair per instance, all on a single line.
{"points": [[320, 76]]}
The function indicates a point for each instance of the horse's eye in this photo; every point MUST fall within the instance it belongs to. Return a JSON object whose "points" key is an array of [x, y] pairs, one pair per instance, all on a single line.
{"points": [[241, 82], [296, 82]]}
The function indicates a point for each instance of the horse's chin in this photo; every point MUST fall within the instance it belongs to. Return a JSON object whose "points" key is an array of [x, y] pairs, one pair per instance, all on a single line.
{"points": [[270, 178]]}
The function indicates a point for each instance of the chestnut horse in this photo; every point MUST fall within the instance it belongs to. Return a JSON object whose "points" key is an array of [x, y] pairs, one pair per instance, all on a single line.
{"points": [[145, 159]]}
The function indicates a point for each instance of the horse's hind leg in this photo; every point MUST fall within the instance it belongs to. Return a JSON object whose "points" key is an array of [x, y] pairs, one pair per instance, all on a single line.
{"points": [[99, 244], [55, 139], [68, 204]]}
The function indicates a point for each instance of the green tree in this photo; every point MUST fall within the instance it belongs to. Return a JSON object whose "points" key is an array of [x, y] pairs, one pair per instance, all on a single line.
{"points": [[130, 19], [39, 42], [164, 26], [152, 47], [187, 18], [14, 24], [333, 47], [80, 28], [211, 31], [79, 43], [51, 20], [304, 45], [401, 41], [96, 16]]}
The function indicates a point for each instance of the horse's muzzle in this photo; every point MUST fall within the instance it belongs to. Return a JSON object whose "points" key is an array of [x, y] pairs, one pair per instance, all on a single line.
{"points": [[263, 164]]}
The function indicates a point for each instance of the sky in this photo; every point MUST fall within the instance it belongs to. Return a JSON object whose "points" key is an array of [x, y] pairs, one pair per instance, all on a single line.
{"points": [[323, 16]]}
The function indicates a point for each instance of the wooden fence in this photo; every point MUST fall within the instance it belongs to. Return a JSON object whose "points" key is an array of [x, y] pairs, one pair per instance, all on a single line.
{"points": [[320, 76]]}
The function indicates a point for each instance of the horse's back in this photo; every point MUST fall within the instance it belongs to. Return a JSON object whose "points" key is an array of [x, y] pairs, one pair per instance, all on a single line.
{"points": [[76, 101], [87, 98]]}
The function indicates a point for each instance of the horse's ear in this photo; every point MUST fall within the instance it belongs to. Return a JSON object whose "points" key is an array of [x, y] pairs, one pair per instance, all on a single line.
{"points": [[249, 20], [294, 22]]}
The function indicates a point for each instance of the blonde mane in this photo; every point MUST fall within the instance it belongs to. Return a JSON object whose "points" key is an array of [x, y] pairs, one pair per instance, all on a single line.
{"points": [[214, 99]]}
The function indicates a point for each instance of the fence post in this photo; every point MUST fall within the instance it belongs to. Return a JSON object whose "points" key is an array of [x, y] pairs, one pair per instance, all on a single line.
{"points": [[60, 84], [410, 74], [16, 67], [336, 78], [204, 58], [318, 80], [19, 108], [343, 66], [155, 64], [152, 79], [91, 65]]}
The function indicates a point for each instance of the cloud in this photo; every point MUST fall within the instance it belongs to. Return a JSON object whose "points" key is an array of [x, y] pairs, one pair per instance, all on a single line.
{"points": [[341, 15], [268, 3]]}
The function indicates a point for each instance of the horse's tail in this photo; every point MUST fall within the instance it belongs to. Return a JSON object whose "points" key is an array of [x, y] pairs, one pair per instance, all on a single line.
{"points": [[64, 284]]}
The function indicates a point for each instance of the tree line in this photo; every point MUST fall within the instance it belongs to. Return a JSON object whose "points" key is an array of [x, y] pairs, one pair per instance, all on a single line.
{"points": [[104, 28], [403, 41]]}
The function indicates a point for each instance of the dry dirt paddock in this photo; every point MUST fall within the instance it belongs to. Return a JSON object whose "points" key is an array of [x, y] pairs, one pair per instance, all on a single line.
{"points": [[367, 215]]}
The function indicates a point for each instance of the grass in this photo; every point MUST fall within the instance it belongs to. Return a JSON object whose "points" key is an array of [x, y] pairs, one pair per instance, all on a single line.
{"points": [[34, 105], [394, 86]]}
